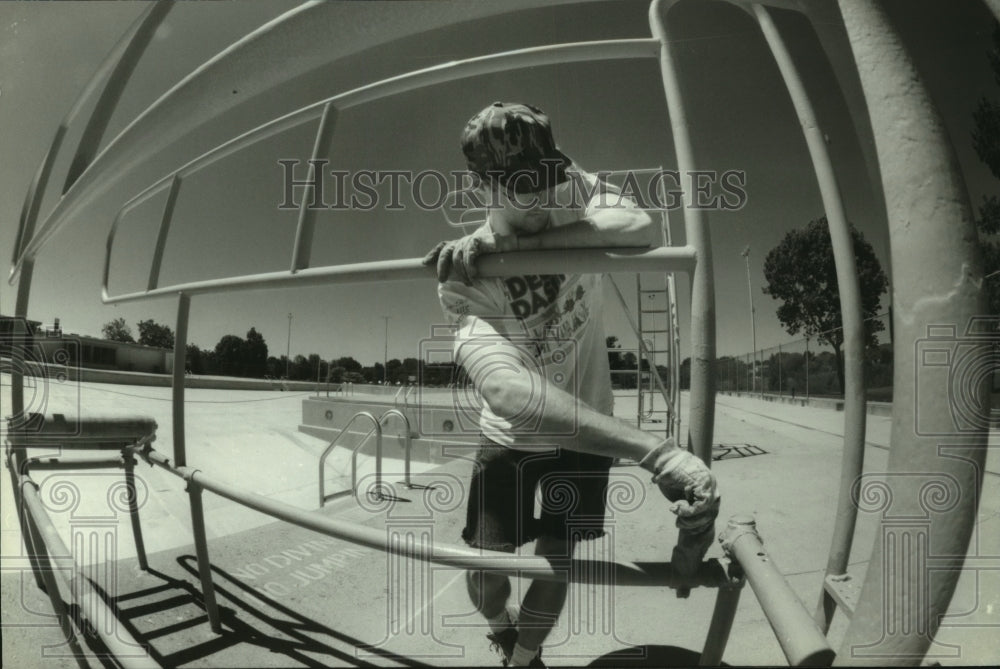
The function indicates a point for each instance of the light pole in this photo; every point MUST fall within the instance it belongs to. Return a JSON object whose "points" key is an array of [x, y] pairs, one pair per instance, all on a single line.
{"points": [[288, 347], [385, 354], [753, 319]]}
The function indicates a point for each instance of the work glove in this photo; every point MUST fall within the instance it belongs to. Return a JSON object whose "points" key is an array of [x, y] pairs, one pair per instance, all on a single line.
{"points": [[456, 259], [687, 482]]}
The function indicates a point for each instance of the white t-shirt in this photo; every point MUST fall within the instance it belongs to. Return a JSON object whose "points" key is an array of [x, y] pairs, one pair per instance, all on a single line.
{"points": [[554, 320]]}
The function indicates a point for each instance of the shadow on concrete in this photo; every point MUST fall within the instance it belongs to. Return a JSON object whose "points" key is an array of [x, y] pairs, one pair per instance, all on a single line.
{"points": [[650, 656], [256, 629]]}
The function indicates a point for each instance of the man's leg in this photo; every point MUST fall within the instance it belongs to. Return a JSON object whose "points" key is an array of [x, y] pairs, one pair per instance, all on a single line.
{"points": [[488, 591], [544, 600]]}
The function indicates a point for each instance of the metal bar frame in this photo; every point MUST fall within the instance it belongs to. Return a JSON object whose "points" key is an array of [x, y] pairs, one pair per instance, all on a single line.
{"points": [[852, 461], [937, 279], [701, 395], [679, 258], [711, 573]]}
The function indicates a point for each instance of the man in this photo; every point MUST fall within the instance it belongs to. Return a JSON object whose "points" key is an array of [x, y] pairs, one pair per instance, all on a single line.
{"points": [[534, 348]]}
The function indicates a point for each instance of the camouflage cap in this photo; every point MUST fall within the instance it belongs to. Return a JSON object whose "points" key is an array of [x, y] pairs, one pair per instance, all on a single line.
{"points": [[510, 145]]}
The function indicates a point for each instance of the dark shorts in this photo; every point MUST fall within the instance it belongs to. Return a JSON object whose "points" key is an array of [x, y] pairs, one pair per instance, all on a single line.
{"points": [[570, 486]]}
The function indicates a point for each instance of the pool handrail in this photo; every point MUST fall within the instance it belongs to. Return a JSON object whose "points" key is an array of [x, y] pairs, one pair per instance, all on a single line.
{"points": [[377, 430]]}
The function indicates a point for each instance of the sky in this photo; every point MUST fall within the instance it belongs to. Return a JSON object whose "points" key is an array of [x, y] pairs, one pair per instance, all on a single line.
{"points": [[606, 115]]}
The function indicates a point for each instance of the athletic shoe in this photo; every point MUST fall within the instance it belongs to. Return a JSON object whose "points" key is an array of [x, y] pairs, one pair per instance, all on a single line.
{"points": [[503, 642]]}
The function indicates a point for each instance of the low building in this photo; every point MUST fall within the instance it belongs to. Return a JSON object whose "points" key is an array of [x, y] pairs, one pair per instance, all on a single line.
{"points": [[53, 346]]}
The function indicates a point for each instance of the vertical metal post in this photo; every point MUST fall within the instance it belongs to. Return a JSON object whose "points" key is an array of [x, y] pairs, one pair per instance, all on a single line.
{"points": [[850, 306], [201, 551], [753, 314], [288, 349], [180, 460], [936, 283], [779, 371], [807, 369], [726, 602], [385, 354], [180, 354], [133, 508], [701, 399]]}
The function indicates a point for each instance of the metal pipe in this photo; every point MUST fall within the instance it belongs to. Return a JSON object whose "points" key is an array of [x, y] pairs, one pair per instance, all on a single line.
{"points": [[117, 67], [429, 76], [161, 236], [180, 364], [16, 454], [807, 370], [710, 573], [133, 508], [680, 258], [801, 640], [125, 57], [726, 602], [701, 397], [41, 565], [120, 643], [201, 551], [753, 314], [937, 289], [852, 461], [307, 212]]}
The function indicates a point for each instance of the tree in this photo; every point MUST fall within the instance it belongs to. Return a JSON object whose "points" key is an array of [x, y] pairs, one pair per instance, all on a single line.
{"points": [[986, 142], [801, 272], [117, 330], [194, 359], [256, 354], [348, 363], [152, 333], [230, 354], [393, 370], [301, 370]]}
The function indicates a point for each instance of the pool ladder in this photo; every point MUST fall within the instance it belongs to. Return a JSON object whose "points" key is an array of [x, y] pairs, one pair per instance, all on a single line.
{"points": [[377, 493]]}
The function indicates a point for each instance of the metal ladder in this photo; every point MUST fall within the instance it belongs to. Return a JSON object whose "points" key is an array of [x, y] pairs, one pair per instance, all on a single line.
{"points": [[657, 341], [658, 344], [379, 489]]}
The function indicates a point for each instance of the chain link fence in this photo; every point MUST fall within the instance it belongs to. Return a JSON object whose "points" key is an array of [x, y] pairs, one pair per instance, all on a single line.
{"points": [[809, 366]]}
